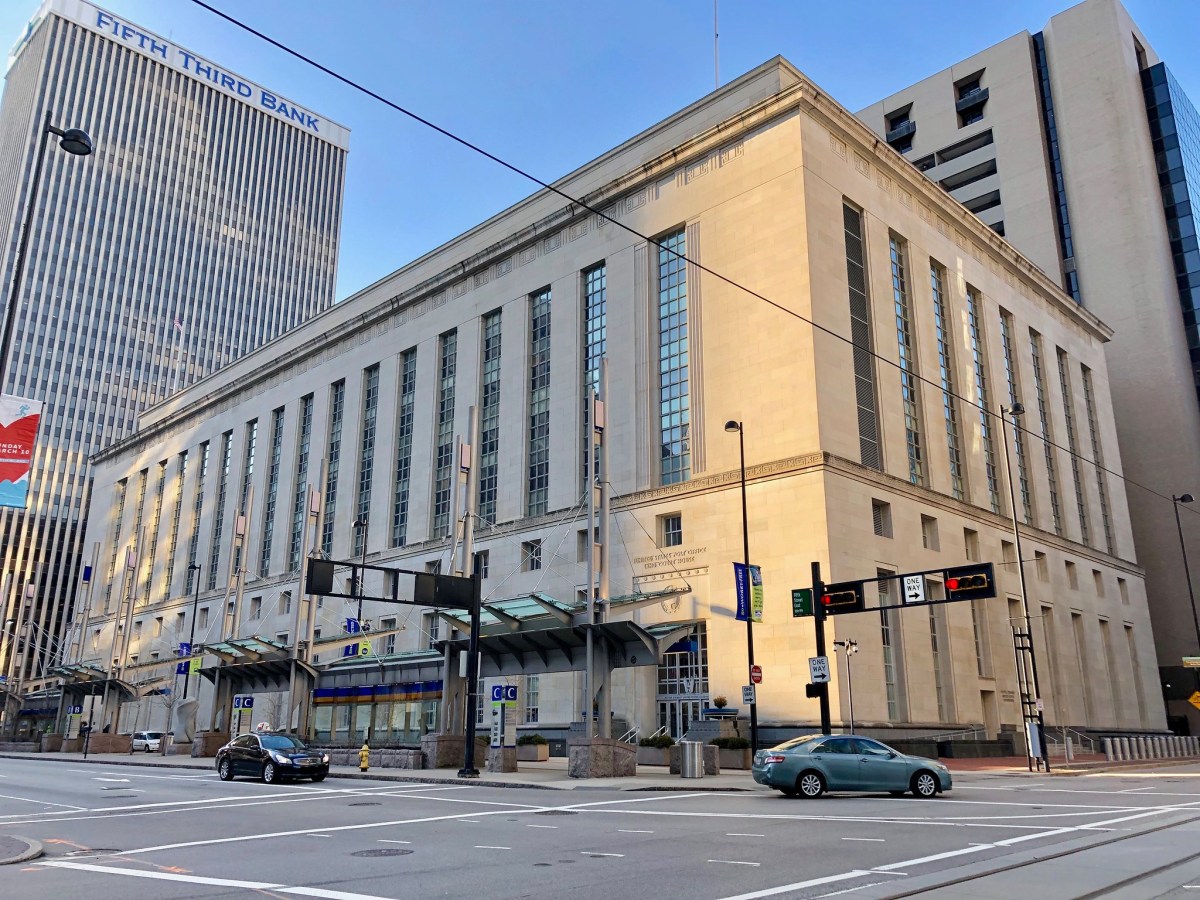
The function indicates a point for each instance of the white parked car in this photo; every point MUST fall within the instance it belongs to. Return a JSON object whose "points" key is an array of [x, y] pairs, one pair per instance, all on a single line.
{"points": [[150, 741]]}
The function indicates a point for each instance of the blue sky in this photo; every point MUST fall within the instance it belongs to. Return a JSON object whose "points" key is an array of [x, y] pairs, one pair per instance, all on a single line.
{"points": [[551, 84]]}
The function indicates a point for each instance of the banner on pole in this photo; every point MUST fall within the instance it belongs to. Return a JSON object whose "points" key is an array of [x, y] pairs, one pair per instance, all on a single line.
{"points": [[18, 433], [748, 583]]}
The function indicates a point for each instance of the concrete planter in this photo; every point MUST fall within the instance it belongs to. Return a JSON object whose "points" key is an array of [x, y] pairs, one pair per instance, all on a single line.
{"points": [[533, 752], [653, 756], [735, 759], [52, 743]]}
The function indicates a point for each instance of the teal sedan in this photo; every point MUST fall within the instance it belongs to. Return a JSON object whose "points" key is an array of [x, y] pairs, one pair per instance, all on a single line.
{"points": [[812, 764]]}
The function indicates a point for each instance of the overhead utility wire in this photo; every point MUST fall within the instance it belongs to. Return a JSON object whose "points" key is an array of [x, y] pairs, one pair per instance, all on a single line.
{"points": [[349, 82]]}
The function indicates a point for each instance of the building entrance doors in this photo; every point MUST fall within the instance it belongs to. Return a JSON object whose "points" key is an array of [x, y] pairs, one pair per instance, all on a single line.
{"points": [[678, 715]]}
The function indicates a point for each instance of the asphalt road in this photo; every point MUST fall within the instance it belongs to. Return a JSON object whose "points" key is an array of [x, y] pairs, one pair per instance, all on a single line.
{"points": [[136, 831]]}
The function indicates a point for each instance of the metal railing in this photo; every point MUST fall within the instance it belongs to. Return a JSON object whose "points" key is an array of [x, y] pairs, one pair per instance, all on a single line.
{"points": [[970, 734], [631, 736]]}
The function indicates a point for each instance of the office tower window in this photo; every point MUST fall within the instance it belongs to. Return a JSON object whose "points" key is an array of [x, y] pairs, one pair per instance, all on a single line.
{"points": [[366, 454], [197, 512], [1064, 383], [979, 360], [674, 401], [337, 408], [595, 331], [533, 690], [300, 491], [271, 500], [971, 97], [404, 439], [929, 533], [538, 488], [173, 543], [444, 462], [531, 556], [860, 335], [214, 555], [431, 624], [155, 521], [1039, 386], [939, 653], [945, 349], [893, 651], [256, 607], [480, 566], [489, 419], [122, 490], [247, 480], [670, 530], [1062, 212], [389, 642], [881, 518], [983, 646], [1012, 381], [1089, 405], [910, 385], [900, 129]]}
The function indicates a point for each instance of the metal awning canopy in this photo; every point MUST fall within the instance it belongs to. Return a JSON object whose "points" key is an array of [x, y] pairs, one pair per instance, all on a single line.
{"points": [[257, 675], [86, 680], [246, 650], [543, 644]]}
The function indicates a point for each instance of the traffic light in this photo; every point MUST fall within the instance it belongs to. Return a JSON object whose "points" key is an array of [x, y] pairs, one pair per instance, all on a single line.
{"points": [[974, 582], [846, 597]]}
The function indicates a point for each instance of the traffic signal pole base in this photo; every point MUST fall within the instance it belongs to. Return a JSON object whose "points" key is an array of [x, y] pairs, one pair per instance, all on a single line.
{"points": [[468, 773]]}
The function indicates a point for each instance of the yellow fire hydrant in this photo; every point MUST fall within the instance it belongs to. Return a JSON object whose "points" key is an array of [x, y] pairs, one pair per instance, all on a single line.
{"points": [[364, 756]]}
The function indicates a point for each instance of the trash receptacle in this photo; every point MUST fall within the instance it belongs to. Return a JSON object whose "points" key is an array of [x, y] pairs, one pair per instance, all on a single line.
{"points": [[691, 759]]}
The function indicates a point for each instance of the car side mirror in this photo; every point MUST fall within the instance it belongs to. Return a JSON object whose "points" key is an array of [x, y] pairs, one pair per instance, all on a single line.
{"points": [[892, 755]]}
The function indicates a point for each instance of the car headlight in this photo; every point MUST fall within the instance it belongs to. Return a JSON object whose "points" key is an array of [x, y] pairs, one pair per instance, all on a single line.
{"points": [[280, 758], [324, 757]]}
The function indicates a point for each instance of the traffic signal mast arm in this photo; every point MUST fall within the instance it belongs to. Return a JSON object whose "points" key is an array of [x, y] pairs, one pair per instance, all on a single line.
{"points": [[975, 581]]}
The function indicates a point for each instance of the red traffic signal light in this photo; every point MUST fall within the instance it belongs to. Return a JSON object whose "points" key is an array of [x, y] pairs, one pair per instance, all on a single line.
{"points": [[846, 597], [974, 582]]}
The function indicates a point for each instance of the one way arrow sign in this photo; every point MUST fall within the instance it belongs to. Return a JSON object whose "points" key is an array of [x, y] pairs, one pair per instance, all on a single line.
{"points": [[914, 588]]}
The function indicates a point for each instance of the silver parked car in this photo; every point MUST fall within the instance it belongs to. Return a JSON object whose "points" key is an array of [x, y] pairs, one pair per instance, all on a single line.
{"points": [[810, 765]]}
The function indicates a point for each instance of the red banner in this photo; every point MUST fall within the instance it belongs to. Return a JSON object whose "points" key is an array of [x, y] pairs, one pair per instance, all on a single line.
{"points": [[18, 434]]}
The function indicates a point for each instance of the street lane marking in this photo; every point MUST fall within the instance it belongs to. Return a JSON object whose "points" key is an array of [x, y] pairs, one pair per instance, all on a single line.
{"points": [[312, 834], [215, 882], [743, 834], [734, 862], [625, 830], [42, 802], [596, 853], [486, 847], [470, 821], [879, 840], [528, 825], [386, 841]]}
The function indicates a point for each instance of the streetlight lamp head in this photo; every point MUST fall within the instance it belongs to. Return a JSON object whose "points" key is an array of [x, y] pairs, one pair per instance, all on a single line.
{"points": [[1185, 498], [731, 426], [76, 142], [1017, 409], [193, 567]]}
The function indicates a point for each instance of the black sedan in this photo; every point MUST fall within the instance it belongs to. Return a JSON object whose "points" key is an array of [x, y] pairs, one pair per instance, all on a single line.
{"points": [[271, 757]]}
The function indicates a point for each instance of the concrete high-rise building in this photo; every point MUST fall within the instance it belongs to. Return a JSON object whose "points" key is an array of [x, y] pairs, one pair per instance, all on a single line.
{"points": [[1078, 145], [205, 223], [872, 463]]}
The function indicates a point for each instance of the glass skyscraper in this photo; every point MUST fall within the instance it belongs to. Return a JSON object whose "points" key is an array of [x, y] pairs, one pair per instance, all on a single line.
{"points": [[204, 224]]}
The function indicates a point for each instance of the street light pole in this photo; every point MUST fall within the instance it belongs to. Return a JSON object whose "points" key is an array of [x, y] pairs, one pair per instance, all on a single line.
{"points": [[732, 426], [187, 675], [75, 142], [851, 647], [1018, 409], [1187, 572], [358, 582]]}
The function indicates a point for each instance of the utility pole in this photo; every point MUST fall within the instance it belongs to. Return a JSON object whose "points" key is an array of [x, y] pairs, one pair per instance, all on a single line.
{"points": [[818, 591], [589, 675], [469, 458], [599, 411]]}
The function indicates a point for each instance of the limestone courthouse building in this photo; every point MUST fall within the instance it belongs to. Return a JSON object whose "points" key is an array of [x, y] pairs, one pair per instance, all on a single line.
{"points": [[760, 257]]}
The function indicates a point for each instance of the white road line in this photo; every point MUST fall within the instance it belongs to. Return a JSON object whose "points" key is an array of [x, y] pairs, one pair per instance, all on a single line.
{"points": [[597, 853], [470, 821], [633, 831], [878, 840], [386, 841], [486, 847], [734, 862], [743, 834], [121, 780], [215, 882], [528, 825], [312, 834], [42, 802]]}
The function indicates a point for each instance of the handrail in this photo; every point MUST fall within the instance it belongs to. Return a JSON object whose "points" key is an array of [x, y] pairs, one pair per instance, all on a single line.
{"points": [[631, 735], [971, 732]]}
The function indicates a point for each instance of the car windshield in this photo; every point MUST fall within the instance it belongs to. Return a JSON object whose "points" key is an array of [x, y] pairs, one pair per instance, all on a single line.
{"points": [[797, 741], [154, 735], [281, 742]]}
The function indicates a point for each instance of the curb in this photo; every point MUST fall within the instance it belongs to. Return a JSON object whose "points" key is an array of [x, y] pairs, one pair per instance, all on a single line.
{"points": [[33, 849]]}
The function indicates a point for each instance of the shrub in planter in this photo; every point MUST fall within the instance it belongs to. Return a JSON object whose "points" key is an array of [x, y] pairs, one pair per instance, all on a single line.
{"points": [[660, 741], [720, 702], [527, 740], [731, 743]]}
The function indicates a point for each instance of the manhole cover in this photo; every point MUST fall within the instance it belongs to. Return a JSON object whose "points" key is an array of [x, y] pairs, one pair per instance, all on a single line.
{"points": [[366, 804], [386, 851], [556, 812]]}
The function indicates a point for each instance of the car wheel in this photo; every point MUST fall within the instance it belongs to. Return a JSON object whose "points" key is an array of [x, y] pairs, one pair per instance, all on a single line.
{"points": [[810, 785], [225, 770], [924, 785], [317, 778], [270, 774]]}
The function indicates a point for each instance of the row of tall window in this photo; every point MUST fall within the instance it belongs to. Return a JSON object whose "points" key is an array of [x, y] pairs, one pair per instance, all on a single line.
{"points": [[979, 388]]}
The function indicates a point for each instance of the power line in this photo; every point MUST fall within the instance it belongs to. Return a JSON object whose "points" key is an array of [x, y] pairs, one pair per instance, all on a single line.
{"points": [[545, 185]]}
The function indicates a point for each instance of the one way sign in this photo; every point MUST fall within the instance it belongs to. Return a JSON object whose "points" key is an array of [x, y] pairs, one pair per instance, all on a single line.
{"points": [[914, 588]]}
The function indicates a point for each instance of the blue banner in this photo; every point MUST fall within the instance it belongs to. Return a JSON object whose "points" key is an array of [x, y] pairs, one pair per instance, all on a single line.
{"points": [[742, 587]]}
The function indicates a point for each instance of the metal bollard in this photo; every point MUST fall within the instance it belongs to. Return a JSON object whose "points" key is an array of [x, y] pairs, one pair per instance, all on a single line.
{"points": [[1141, 747], [1108, 749], [1117, 749], [1160, 745]]}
